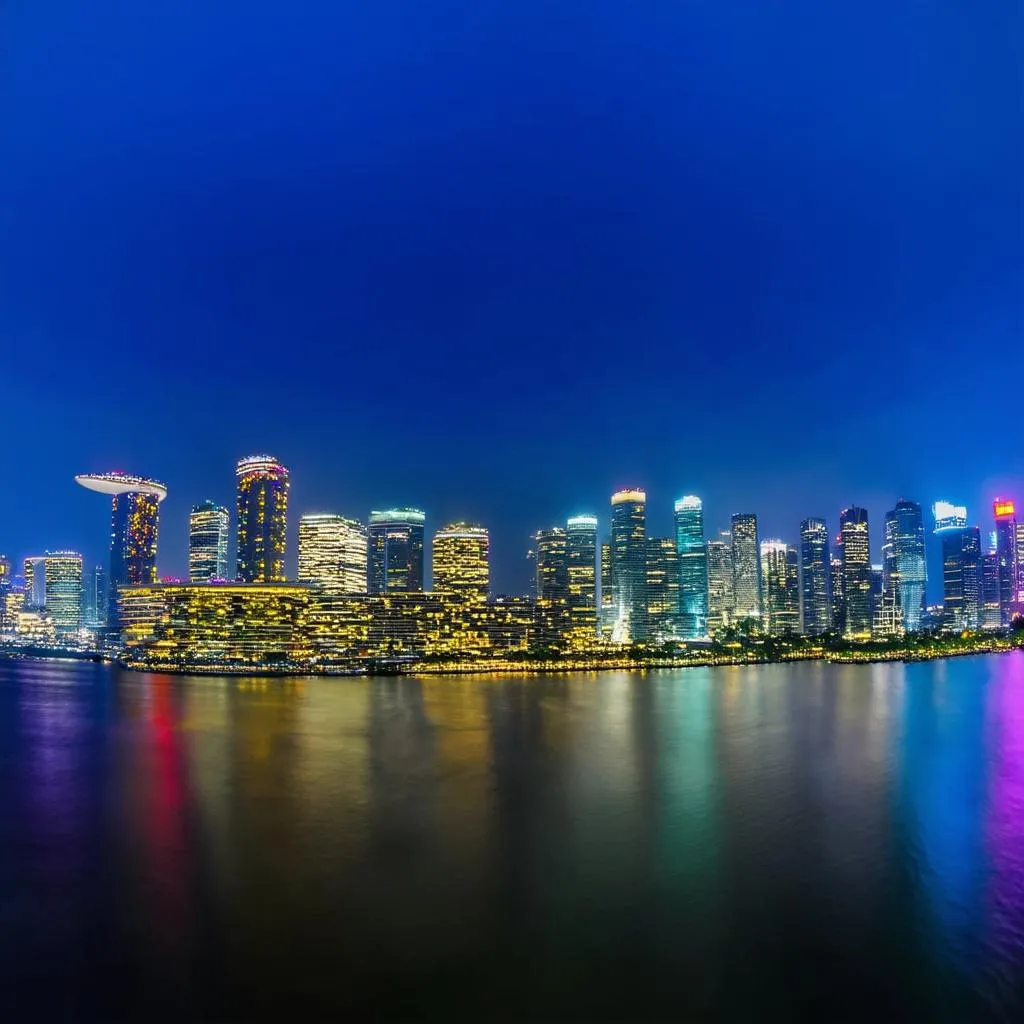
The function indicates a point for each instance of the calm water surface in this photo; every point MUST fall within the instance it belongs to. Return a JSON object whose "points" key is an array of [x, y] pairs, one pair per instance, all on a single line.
{"points": [[778, 842]]}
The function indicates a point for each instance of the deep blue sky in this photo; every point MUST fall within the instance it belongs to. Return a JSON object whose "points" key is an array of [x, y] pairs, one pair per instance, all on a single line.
{"points": [[498, 259]]}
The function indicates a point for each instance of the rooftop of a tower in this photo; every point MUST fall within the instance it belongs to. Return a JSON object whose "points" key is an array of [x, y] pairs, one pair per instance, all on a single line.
{"points": [[260, 464], [116, 482]]}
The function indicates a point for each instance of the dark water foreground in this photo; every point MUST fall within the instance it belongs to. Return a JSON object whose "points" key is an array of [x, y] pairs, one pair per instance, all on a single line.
{"points": [[766, 842]]}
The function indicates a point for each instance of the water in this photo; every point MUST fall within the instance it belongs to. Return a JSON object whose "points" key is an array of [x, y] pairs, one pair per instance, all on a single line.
{"points": [[771, 842]]}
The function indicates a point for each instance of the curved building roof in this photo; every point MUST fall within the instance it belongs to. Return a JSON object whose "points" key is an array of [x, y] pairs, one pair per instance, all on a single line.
{"points": [[122, 483]]}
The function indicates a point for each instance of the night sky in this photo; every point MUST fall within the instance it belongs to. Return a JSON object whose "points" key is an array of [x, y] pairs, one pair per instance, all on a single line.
{"points": [[499, 259]]}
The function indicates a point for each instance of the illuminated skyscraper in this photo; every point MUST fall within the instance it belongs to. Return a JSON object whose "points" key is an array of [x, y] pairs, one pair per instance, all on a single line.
{"points": [[1006, 558], [607, 598], [462, 561], [332, 553], [721, 599], [662, 572], [853, 526], [629, 565], [134, 525], [991, 609], [780, 588], [815, 592], [905, 565], [208, 543], [961, 567], [95, 601], [34, 570], [693, 568], [553, 565], [746, 566], [396, 550], [581, 532], [261, 518], [63, 589], [5, 570]]}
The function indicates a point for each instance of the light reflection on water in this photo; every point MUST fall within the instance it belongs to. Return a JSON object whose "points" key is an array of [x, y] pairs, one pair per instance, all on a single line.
{"points": [[837, 841]]}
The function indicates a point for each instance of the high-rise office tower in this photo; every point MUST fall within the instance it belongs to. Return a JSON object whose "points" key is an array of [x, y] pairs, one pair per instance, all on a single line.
{"points": [[332, 553], [991, 607], [134, 526], [906, 572], [607, 622], [261, 520], [961, 567], [5, 570], [629, 565], [581, 534], [62, 574], [1006, 556], [95, 602], [780, 590], [815, 591], [552, 565], [746, 566], [1020, 567], [462, 561], [693, 568], [396, 550], [34, 570], [208, 526], [853, 526], [721, 599], [663, 574]]}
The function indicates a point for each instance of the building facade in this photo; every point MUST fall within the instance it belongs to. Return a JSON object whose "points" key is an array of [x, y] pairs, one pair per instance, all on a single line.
{"points": [[693, 568], [62, 599], [815, 589], [581, 554], [461, 562], [857, 604], [662, 587], [907, 575], [721, 597], [1006, 556], [261, 518], [396, 539], [208, 526], [746, 566], [332, 553], [962, 584], [629, 566], [779, 580]]}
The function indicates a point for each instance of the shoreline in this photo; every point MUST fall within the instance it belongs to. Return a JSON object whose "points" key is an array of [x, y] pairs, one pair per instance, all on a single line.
{"points": [[513, 668]]}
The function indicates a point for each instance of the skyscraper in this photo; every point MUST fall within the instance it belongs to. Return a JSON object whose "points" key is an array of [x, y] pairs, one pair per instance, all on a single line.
{"points": [[261, 518], [607, 623], [906, 572], [581, 533], [553, 565], [961, 567], [462, 561], [134, 526], [815, 592], [95, 603], [63, 590], [1006, 558], [396, 538], [208, 543], [746, 566], [853, 526], [693, 568], [991, 607], [629, 565], [34, 570], [332, 553], [781, 595], [663, 574], [721, 600]]}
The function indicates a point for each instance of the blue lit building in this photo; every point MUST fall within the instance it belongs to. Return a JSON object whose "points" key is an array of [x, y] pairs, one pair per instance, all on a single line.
{"points": [[693, 568]]}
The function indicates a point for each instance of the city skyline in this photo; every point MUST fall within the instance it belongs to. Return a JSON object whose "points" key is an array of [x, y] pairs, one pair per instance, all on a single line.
{"points": [[517, 556]]}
